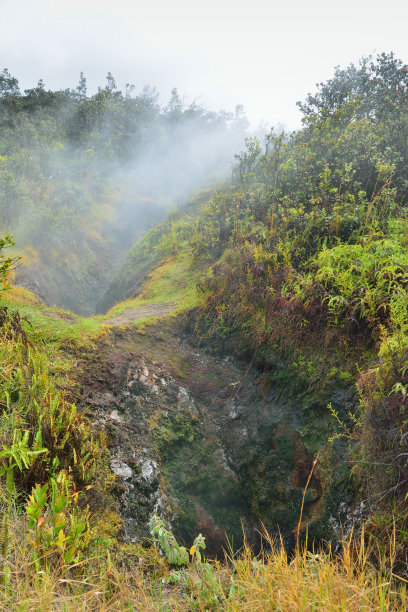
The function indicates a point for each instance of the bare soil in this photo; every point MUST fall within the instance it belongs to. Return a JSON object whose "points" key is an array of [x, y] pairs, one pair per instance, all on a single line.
{"points": [[141, 312]]}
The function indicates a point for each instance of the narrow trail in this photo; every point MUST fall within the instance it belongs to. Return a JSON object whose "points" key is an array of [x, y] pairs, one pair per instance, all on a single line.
{"points": [[141, 312]]}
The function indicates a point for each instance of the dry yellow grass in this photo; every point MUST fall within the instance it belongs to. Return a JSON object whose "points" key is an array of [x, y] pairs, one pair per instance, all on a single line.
{"points": [[276, 582]]}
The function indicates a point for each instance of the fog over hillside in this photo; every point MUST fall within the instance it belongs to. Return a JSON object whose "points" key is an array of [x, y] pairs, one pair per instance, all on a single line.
{"points": [[82, 177], [203, 306]]}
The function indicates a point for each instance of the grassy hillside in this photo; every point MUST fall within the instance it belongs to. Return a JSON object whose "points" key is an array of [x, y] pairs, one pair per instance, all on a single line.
{"points": [[299, 267], [59, 542], [166, 240], [304, 269]]}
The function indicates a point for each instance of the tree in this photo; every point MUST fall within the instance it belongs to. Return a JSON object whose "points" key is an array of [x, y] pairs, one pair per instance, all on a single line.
{"points": [[111, 84], [366, 105], [149, 98], [6, 263], [8, 85], [81, 87], [379, 85], [240, 121], [128, 90], [174, 108]]}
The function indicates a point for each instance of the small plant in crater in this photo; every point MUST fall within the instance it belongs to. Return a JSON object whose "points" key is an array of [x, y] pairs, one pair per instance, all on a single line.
{"points": [[174, 553]]}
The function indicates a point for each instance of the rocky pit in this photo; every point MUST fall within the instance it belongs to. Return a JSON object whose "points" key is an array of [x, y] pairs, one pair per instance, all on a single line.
{"points": [[194, 437]]}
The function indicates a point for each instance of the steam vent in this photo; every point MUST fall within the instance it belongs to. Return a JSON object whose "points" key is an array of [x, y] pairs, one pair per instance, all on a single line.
{"points": [[203, 329]]}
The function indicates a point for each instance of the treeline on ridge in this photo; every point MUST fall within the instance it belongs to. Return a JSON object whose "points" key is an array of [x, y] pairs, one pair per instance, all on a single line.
{"points": [[82, 176]]}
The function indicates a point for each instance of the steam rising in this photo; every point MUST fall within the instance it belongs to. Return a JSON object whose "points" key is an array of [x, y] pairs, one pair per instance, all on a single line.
{"points": [[83, 177]]}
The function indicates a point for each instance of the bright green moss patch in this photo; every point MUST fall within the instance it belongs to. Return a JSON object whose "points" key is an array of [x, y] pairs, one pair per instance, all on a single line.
{"points": [[172, 285], [53, 326]]}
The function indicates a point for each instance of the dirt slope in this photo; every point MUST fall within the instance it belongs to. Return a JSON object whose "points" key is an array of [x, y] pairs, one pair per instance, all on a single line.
{"points": [[141, 312]]}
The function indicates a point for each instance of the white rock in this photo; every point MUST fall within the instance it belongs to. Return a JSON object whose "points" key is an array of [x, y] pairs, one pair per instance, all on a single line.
{"points": [[114, 415], [148, 469], [120, 468]]}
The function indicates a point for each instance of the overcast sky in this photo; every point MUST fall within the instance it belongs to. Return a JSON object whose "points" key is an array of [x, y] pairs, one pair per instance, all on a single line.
{"points": [[263, 54]]}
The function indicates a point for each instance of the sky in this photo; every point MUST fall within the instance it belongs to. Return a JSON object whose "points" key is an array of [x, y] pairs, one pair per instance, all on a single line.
{"points": [[262, 54]]}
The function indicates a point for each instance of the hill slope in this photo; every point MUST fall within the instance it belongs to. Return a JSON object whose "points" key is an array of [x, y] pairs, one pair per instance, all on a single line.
{"points": [[302, 268], [271, 387]]}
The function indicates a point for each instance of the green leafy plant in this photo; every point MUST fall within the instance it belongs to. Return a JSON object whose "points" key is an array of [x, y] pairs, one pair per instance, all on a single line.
{"points": [[175, 554], [18, 455], [198, 577], [41, 432], [6, 263], [57, 526]]}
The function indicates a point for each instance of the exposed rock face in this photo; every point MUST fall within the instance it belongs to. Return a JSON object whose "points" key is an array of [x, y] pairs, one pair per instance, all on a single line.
{"points": [[189, 443]]}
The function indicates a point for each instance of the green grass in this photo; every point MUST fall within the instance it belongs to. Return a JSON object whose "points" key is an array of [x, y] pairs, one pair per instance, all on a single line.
{"points": [[65, 336], [173, 281], [49, 324]]}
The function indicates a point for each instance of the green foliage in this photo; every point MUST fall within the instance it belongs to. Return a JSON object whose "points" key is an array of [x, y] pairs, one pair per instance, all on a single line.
{"points": [[6, 263], [81, 177], [305, 267], [204, 584], [169, 238], [41, 432], [312, 232], [18, 455], [363, 282], [304, 271], [42, 435], [175, 554], [57, 527], [48, 448], [378, 84]]}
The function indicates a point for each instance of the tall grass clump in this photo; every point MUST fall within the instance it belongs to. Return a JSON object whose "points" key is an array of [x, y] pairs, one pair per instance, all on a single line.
{"points": [[133, 578], [53, 467]]}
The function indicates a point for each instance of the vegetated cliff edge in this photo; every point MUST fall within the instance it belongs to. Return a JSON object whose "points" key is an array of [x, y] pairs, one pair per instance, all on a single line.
{"points": [[301, 270], [297, 269]]}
